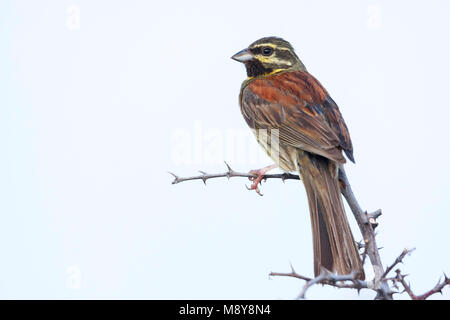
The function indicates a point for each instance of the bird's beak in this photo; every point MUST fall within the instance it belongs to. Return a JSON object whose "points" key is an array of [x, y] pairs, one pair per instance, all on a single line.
{"points": [[243, 56]]}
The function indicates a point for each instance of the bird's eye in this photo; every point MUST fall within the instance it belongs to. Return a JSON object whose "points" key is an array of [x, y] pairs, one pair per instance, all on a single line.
{"points": [[267, 51]]}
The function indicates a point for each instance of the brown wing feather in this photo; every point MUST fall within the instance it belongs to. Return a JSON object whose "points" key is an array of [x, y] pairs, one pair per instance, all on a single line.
{"points": [[297, 104]]}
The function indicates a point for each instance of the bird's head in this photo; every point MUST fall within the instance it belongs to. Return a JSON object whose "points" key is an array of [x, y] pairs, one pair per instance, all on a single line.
{"points": [[267, 56]]}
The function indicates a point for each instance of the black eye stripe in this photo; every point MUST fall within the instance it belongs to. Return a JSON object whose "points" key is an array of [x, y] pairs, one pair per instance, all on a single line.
{"points": [[266, 51], [257, 50]]}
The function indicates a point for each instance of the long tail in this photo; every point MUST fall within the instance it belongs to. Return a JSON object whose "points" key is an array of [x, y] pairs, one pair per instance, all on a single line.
{"points": [[334, 246]]}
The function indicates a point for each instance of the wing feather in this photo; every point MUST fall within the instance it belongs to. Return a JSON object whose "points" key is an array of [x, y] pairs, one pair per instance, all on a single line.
{"points": [[298, 106]]}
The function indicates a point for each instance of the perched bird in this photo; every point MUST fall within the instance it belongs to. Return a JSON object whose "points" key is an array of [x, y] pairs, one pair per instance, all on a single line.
{"points": [[301, 128]]}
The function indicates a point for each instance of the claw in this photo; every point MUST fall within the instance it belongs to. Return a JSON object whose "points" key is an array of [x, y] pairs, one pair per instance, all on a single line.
{"points": [[256, 181], [258, 178], [253, 187]]}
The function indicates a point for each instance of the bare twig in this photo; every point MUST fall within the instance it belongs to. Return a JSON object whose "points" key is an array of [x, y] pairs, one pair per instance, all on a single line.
{"points": [[436, 289], [325, 277], [290, 274], [398, 260], [349, 281], [375, 214]]}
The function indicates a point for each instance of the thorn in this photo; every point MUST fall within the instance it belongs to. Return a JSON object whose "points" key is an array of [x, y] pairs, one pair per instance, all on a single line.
{"points": [[175, 181], [203, 179], [230, 171], [173, 174], [292, 267]]}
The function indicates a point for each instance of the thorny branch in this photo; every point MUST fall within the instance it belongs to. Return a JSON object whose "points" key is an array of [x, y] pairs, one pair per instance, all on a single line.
{"points": [[350, 281], [367, 222], [367, 230], [230, 173], [407, 287], [397, 261], [325, 278]]}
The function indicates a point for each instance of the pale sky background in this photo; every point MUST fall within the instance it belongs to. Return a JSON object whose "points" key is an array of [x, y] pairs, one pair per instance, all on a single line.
{"points": [[99, 99]]}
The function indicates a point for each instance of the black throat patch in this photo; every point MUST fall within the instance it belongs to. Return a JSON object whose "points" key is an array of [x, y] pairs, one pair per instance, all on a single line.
{"points": [[255, 68]]}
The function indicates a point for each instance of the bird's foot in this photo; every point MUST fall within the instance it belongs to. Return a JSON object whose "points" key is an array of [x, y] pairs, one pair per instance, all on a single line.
{"points": [[259, 177]]}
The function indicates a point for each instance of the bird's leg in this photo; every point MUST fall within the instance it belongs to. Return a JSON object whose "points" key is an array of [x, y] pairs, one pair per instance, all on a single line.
{"points": [[259, 173]]}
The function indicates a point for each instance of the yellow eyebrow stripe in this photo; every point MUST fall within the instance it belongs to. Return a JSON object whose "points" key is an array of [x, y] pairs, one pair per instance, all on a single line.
{"points": [[272, 46]]}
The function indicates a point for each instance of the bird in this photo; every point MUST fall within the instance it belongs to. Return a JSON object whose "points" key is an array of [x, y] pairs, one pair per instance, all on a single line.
{"points": [[301, 128]]}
